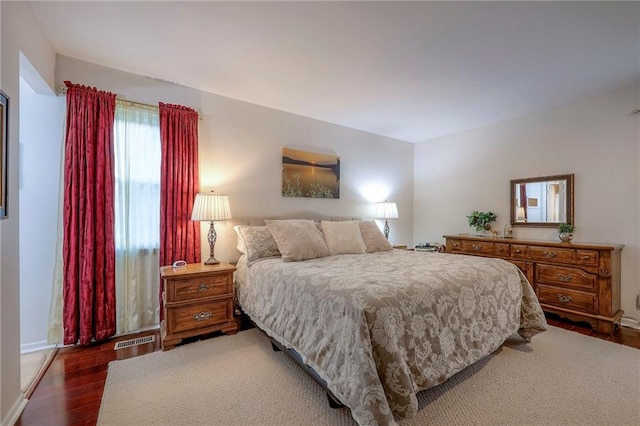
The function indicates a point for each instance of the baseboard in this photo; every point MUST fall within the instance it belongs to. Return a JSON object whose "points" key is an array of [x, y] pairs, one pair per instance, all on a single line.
{"points": [[630, 323], [35, 346], [15, 412]]}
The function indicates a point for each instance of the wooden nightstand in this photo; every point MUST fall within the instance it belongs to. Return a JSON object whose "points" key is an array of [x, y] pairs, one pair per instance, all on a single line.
{"points": [[198, 299]]}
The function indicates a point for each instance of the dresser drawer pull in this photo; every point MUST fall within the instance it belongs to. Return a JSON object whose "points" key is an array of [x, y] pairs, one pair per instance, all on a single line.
{"points": [[586, 257], [202, 287], [551, 254], [202, 316], [518, 251], [476, 247], [564, 278], [564, 299], [455, 244]]}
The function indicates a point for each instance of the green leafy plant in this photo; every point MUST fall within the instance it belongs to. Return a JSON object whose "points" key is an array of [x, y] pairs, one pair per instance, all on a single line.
{"points": [[481, 220], [565, 228]]}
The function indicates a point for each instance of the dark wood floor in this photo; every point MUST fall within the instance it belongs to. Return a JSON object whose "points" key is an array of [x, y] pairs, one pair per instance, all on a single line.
{"points": [[70, 391]]}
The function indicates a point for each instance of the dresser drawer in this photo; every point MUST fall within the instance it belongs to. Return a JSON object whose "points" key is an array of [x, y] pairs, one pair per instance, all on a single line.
{"points": [[198, 316], [518, 251], [587, 257], [454, 246], [501, 250], [523, 266], [552, 253], [198, 287], [573, 299], [566, 277], [477, 247]]}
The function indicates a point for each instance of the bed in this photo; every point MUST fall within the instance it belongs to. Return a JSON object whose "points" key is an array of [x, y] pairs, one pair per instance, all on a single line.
{"points": [[379, 327]]}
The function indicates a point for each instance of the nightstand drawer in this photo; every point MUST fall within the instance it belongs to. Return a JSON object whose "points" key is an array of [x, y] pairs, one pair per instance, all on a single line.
{"points": [[198, 288], [566, 277], [198, 316], [573, 299]]}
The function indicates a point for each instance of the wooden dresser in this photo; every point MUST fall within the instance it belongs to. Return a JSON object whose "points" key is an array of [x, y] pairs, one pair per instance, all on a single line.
{"points": [[198, 299], [578, 281]]}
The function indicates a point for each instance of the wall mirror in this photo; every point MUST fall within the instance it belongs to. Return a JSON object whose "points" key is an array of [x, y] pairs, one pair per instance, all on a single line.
{"points": [[542, 201]]}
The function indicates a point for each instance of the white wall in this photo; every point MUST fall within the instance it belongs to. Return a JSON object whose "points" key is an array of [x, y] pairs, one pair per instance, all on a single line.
{"points": [[597, 139], [241, 153], [41, 143], [20, 32]]}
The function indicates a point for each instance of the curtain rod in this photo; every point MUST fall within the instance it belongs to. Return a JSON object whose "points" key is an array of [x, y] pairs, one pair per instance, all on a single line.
{"points": [[62, 90]]}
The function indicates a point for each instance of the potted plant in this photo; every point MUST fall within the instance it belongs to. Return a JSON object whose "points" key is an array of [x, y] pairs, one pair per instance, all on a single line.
{"points": [[565, 232], [481, 220]]}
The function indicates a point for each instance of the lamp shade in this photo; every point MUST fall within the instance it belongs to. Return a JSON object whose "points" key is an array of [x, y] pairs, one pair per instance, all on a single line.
{"points": [[211, 206], [386, 211]]}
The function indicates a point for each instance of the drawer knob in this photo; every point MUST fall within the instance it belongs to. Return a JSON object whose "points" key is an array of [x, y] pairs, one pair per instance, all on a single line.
{"points": [[550, 254], [455, 244], [587, 257], [476, 246], [564, 278], [518, 251], [202, 316], [564, 299], [202, 287]]}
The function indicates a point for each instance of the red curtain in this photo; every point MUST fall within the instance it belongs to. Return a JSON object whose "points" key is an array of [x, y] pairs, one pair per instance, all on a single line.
{"points": [[179, 235], [89, 310]]}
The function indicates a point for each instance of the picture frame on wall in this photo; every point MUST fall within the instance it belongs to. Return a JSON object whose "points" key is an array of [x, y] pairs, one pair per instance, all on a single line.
{"points": [[310, 174], [4, 152]]}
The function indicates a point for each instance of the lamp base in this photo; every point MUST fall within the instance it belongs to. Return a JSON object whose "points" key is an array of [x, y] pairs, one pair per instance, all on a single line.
{"points": [[211, 261]]}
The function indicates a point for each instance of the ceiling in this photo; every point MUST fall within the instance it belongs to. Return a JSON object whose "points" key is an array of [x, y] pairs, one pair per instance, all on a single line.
{"points": [[408, 70]]}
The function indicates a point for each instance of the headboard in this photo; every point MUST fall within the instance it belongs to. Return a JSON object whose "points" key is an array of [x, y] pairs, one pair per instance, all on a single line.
{"points": [[226, 243]]}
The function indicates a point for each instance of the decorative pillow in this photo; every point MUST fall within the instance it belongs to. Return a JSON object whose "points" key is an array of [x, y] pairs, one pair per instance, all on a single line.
{"points": [[343, 237], [298, 239], [373, 238], [257, 242]]}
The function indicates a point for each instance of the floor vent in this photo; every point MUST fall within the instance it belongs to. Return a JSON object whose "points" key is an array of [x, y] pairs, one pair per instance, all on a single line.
{"points": [[135, 342]]}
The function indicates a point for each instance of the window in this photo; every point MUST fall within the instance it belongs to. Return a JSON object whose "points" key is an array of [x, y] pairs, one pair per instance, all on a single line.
{"points": [[137, 215]]}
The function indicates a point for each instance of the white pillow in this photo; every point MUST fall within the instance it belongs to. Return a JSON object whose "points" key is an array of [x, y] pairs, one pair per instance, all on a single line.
{"points": [[239, 240], [373, 238], [343, 237], [297, 239]]}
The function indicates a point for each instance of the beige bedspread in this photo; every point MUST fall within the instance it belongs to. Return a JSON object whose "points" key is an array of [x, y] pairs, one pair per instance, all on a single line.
{"points": [[380, 327]]}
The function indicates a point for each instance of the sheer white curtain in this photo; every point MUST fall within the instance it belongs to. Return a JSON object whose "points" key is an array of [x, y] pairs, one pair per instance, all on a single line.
{"points": [[137, 223]]}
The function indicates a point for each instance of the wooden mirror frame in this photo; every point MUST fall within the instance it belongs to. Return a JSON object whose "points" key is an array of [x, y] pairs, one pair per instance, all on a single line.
{"points": [[569, 201]]}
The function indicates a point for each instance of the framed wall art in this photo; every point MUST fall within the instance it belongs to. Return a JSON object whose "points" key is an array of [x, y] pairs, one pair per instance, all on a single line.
{"points": [[310, 174], [4, 141]]}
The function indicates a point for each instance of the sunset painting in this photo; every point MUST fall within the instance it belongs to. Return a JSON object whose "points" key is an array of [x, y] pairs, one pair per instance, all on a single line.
{"points": [[310, 174]]}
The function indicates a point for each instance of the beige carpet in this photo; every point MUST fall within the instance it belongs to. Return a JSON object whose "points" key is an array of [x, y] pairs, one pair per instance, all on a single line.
{"points": [[30, 365], [561, 378]]}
